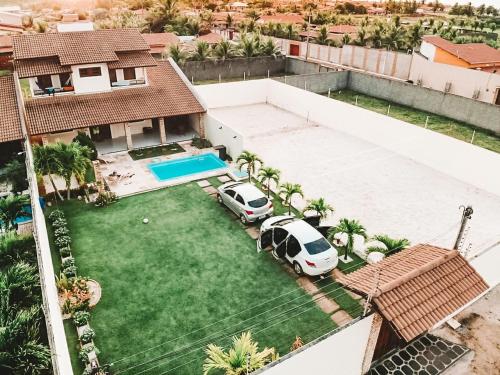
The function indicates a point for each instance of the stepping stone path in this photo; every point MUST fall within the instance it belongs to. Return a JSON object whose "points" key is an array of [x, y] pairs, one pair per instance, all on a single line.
{"points": [[341, 318], [306, 284], [224, 178], [210, 190], [253, 232], [326, 304], [203, 183]]}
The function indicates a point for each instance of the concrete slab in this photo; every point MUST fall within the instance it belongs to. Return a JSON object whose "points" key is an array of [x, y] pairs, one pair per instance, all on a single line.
{"points": [[210, 190], [203, 183], [307, 284], [336, 273], [341, 318], [224, 178], [253, 232], [327, 305], [354, 295]]}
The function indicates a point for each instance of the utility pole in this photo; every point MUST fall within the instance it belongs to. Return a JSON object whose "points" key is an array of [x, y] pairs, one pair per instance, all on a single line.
{"points": [[369, 297], [308, 35], [466, 216]]}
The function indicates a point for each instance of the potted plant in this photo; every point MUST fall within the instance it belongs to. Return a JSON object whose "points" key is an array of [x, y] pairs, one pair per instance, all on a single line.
{"points": [[87, 335]]}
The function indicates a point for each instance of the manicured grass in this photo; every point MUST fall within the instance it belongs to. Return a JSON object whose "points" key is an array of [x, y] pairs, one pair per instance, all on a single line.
{"points": [[151, 152], [193, 265], [214, 181], [356, 263], [342, 298], [5, 72], [441, 124]]}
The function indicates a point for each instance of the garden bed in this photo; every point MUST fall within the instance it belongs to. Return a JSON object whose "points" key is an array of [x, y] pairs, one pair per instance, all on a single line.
{"points": [[151, 152]]}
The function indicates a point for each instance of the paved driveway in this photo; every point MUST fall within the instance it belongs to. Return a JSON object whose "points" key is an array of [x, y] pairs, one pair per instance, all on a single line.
{"points": [[387, 192]]}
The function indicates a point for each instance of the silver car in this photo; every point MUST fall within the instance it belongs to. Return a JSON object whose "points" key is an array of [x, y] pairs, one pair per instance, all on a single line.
{"points": [[245, 200]]}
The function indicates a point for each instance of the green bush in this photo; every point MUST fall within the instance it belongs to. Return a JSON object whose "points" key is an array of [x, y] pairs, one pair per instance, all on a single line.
{"points": [[68, 262], [87, 336], [201, 143], [81, 318], [59, 223], [83, 355], [84, 140], [62, 241], [105, 198], [69, 271], [65, 251], [55, 215], [62, 231]]}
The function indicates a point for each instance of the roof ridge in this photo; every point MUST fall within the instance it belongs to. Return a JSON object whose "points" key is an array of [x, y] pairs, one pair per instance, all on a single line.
{"points": [[416, 272]]}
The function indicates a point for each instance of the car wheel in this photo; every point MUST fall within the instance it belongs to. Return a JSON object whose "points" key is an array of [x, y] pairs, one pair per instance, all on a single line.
{"points": [[219, 199], [243, 219], [297, 268]]}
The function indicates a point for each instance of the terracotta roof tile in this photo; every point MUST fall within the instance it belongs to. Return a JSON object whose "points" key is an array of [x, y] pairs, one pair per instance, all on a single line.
{"points": [[473, 53], [160, 39], [5, 44], [282, 18], [418, 287], [36, 67], [210, 38], [166, 95], [343, 29], [10, 123], [133, 59], [82, 47]]}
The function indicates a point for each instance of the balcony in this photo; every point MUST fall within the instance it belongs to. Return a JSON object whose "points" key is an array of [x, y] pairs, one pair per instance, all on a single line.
{"points": [[53, 91], [128, 83]]}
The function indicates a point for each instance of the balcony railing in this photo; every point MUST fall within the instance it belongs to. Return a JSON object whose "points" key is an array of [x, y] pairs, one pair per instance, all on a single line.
{"points": [[128, 82], [53, 91]]}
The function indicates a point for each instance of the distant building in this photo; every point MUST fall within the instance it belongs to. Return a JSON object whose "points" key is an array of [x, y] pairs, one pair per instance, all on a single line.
{"points": [[160, 42], [478, 56], [63, 27], [11, 22], [292, 18]]}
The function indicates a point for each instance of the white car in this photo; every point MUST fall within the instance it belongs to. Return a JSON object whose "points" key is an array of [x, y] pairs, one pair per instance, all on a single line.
{"points": [[245, 200], [299, 243]]}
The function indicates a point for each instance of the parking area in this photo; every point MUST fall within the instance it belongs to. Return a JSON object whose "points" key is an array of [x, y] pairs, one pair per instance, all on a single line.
{"points": [[387, 192]]}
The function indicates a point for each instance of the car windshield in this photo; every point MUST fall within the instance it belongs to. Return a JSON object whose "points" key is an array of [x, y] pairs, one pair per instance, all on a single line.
{"points": [[317, 246], [256, 203]]}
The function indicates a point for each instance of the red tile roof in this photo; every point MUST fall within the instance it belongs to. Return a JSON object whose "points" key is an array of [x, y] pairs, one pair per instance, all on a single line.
{"points": [[166, 95], [343, 29], [133, 59], [473, 53], [210, 38], [10, 123], [5, 44], [282, 18], [82, 47], [418, 287], [158, 42], [36, 67]]}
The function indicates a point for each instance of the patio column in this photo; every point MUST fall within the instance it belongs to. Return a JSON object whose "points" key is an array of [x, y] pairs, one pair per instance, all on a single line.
{"points": [[45, 140], [128, 135], [163, 132], [201, 124]]}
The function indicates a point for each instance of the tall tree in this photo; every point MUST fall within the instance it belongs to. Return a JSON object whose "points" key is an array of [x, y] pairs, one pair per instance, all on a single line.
{"points": [[250, 161], [319, 206], [14, 172], [46, 163], [349, 228], [201, 51], [268, 175], [12, 208], [288, 191]]}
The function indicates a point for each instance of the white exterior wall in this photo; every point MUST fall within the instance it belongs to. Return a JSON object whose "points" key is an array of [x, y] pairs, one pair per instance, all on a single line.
{"points": [[65, 137], [428, 50], [341, 353], [220, 134], [8, 18], [233, 93], [91, 84], [137, 126], [117, 130], [463, 81]]}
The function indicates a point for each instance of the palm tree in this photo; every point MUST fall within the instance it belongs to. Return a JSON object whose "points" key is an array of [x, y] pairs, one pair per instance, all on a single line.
{"points": [[350, 228], [414, 35], [242, 358], [229, 20], [267, 175], [320, 207], [322, 37], [14, 172], [250, 161], [391, 245], [290, 31], [16, 248], [248, 46], [287, 192], [269, 48], [73, 160], [346, 39], [394, 38], [224, 50], [46, 163], [177, 54], [11, 208], [361, 37], [201, 51]]}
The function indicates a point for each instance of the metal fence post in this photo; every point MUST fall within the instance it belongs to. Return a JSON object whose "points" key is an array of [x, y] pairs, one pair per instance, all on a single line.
{"points": [[426, 121], [357, 99], [268, 75], [220, 79], [244, 76], [329, 90], [388, 110], [473, 135]]}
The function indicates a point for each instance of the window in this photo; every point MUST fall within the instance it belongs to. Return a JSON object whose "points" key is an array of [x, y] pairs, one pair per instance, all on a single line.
{"points": [[231, 193], [257, 203], [292, 247], [112, 75], [317, 246], [129, 73], [239, 199], [279, 234], [95, 71], [65, 79], [43, 82]]}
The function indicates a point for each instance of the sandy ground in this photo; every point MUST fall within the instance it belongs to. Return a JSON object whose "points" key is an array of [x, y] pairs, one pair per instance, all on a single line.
{"points": [[387, 192], [480, 331]]}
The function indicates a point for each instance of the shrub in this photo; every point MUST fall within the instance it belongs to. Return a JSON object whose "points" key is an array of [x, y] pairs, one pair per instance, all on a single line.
{"points": [[65, 251], [84, 140], [105, 198], [83, 355], [68, 262], [87, 336], [55, 215], [62, 241], [59, 223], [69, 271], [201, 142], [62, 231], [81, 318]]}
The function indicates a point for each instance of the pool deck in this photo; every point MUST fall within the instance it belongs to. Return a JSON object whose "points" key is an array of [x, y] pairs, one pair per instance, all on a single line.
{"points": [[136, 177]]}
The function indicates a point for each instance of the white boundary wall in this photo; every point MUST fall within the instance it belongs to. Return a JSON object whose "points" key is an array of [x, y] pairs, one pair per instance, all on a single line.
{"points": [[341, 353], [220, 134]]}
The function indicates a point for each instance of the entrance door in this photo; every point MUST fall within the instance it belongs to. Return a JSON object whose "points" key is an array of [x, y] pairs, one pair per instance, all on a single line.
{"points": [[497, 99], [294, 50], [100, 133]]}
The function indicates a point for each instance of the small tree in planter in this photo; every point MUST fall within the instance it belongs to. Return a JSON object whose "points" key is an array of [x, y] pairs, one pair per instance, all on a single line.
{"points": [[320, 207], [62, 241], [65, 251], [268, 175], [69, 271], [59, 223], [56, 215], [86, 351], [349, 228], [60, 232], [105, 198], [87, 336], [287, 192], [81, 318]]}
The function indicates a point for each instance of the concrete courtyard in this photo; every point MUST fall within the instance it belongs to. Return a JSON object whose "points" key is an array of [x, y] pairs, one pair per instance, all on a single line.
{"points": [[387, 191]]}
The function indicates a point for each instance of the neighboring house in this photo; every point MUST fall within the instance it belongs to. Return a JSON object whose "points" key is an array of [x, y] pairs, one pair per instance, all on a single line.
{"points": [[478, 56], [159, 43], [11, 20], [413, 291], [107, 84], [292, 18], [210, 38], [10, 122], [5, 52], [237, 6]]}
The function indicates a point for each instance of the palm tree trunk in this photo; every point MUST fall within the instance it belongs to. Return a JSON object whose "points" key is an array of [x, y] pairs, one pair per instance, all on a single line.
{"points": [[268, 189], [68, 189], [249, 170], [55, 188]]}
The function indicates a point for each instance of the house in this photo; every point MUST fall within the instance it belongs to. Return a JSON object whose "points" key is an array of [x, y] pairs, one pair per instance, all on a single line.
{"points": [[5, 52], [107, 84], [291, 18], [211, 38], [237, 6], [160, 42], [413, 291], [478, 56], [10, 122]]}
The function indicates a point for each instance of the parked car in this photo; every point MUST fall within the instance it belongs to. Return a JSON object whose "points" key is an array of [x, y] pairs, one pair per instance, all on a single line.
{"points": [[299, 243], [245, 200]]}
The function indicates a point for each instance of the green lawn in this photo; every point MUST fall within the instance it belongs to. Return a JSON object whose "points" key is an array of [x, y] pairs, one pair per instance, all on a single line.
{"points": [[443, 125], [356, 264], [190, 267]]}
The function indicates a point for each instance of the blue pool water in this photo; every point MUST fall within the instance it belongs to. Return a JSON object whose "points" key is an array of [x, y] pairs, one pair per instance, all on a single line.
{"points": [[186, 166]]}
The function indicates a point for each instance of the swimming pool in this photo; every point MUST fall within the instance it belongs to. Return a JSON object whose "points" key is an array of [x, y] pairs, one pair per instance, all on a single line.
{"points": [[186, 166]]}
